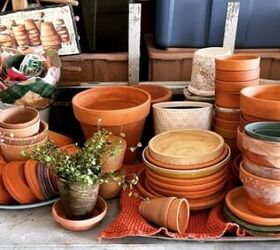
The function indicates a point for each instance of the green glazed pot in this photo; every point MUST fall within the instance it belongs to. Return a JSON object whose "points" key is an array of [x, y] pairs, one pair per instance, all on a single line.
{"points": [[269, 131]]}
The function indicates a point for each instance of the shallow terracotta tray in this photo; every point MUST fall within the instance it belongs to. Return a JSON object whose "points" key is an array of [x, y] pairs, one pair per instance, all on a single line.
{"points": [[186, 147]]}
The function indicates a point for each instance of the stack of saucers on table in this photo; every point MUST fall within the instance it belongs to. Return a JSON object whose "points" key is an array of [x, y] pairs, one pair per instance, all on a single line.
{"points": [[233, 73], [188, 163], [256, 205]]}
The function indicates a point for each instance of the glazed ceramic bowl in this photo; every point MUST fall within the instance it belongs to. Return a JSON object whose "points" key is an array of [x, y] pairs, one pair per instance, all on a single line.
{"points": [[234, 86], [262, 194], [180, 115], [261, 101], [237, 63], [226, 99], [80, 225], [237, 76], [227, 113], [268, 131], [187, 174], [186, 146], [226, 124]]}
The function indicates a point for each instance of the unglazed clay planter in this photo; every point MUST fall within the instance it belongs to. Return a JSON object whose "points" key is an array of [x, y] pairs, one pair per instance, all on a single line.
{"points": [[237, 63], [261, 101], [112, 188], [268, 131], [239, 140], [117, 109], [225, 133], [226, 99], [226, 124], [59, 139], [263, 160], [262, 194], [235, 86], [180, 115], [237, 76], [203, 70], [227, 114]]}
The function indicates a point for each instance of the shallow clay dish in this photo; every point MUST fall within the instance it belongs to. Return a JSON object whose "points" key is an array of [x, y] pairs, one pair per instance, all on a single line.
{"points": [[59, 140], [237, 63], [5, 197], [269, 131], [235, 201], [99, 213], [15, 182], [186, 146], [188, 174]]}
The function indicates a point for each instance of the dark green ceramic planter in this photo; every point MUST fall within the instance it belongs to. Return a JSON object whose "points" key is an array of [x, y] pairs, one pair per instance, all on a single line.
{"points": [[268, 131]]}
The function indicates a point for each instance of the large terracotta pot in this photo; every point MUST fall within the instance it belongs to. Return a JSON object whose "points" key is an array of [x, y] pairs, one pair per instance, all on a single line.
{"points": [[237, 63], [226, 99], [119, 110], [261, 101]]}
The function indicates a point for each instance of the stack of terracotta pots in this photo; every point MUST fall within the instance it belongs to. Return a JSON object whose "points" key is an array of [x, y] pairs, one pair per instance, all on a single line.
{"points": [[32, 32], [49, 37], [233, 73], [6, 40], [20, 129], [188, 164], [62, 30], [20, 34]]}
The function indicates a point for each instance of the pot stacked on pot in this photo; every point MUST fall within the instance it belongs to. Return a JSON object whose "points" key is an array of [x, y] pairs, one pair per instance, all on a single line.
{"points": [[186, 163], [233, 73]]}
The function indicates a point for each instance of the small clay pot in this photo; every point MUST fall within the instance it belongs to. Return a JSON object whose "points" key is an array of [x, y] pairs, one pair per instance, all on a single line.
{"points": [[262, 194], [18, 117], [237, 76], [235, 86], [226, 99], [237, 63], [225, 124], [261, 101], [227, 114], [112, 189]]}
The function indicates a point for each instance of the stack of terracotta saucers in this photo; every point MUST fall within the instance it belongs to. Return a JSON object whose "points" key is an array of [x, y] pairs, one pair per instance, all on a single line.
{"points": [[32, 32], [260, 174], [186, 163], [49, 37], [233, 73], [62, 30], [20, 34]]}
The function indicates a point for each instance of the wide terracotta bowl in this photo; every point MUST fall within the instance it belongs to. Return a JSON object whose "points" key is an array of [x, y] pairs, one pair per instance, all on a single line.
{"points": [[268, 131], [235, 86], [226, 99], [262, 194], [237, 63], [237, 76], [80, 225], [261, 101], [227, 113], [226, 124], [187, 174], [186, 146]]}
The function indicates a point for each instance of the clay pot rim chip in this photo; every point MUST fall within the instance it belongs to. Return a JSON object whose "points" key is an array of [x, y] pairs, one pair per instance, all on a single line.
{"points": [[170, 105]]}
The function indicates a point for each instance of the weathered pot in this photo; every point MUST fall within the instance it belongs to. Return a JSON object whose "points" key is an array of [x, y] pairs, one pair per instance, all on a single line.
{"points": [[263, 160], [237, 76], [237, 63], [227, 114], [235, 86], [180, 115], [226, 124], [78, 200], [226, 99], [117, 109]]}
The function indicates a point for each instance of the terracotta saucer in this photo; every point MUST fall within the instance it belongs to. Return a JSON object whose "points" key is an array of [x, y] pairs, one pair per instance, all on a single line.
{"points": [[177, 167], [151, 190], [235, 201], [41, 180], [15, 182], [30, 172], [48, 183], [141, 186], [59, 139], [5, 197], [53, 178]]}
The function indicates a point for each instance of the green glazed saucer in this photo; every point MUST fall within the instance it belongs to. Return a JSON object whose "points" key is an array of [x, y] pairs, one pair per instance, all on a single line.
{"points": [[268, 230], [269, 131]]}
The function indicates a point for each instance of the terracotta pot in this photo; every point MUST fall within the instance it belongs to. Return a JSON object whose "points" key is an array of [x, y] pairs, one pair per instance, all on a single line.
{"points": [[239, 140], [261, 101], [226, 99], [5, 197], [225, 133], [59, 139], [263, 160], [237, 76], [250, 118], [47, 29], [78, 200], [262, 194], [112, 189], [120, 109], [18, 117], [237, 63], [235, 86], [112, 163], [158, 93], [180, 115], [80, 225], [156, 210], [236, 162], [268, 131], [225, 124], [227, 114], [233, 147]]}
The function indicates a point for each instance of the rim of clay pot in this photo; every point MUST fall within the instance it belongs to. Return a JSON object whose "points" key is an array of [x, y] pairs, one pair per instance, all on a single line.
{"points": [[212, 51], [171, 106], [121, 116], [170, 158], [237, 62], [80, 225], [158, 93], [255, 106], [235, 86], [226, 124], [178, 167], [227, 110], [188, 174], [29, 115], [235, 202], [225, 133], [264, 130]]}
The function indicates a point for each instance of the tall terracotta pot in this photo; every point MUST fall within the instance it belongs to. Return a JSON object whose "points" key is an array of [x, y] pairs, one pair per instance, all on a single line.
{"points": [[118, 109]]}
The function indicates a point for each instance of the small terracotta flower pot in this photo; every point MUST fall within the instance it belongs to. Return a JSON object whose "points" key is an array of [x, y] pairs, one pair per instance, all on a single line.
{"points": [[237, 76], [225, 124], [118, 109], [261, 101], [227, 114], [235, 86], [18, 117], [226, 99], [112, 188], [237, 63], [262, 194]]}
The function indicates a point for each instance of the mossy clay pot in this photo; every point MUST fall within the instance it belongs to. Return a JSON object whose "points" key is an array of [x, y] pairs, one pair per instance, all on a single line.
{"points": [[237, 63], [227, 113], [226, 99], [268, 131], [238, 76]]}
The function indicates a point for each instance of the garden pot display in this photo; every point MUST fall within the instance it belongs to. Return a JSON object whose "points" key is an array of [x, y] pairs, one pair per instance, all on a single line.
{"points": [[97, 215], [78, 200], [227, 114], [180, 115], [261, 194], [112, 188], [117, 109]]}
